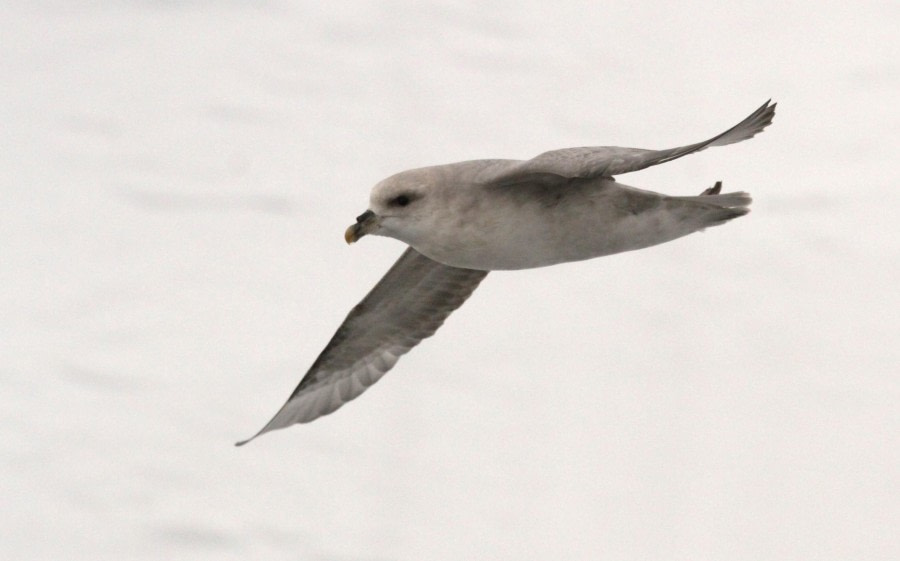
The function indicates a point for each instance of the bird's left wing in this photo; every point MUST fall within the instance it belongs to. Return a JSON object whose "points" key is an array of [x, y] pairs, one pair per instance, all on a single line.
{"points": [[407, 305], [607, 161]]}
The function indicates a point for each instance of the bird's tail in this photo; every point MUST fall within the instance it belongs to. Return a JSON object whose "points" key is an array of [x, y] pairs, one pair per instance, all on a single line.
{"points": [[723, 206]]}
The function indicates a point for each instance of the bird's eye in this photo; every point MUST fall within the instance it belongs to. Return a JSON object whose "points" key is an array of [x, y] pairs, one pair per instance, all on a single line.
{"points": [[400, 200]]}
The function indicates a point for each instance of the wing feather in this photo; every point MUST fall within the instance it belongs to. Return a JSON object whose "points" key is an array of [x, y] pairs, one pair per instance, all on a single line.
{"points": [[407, 305], [607, 161]]}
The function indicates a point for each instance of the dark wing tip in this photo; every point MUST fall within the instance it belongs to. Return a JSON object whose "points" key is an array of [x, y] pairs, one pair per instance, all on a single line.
{"points": [[758, 120]]}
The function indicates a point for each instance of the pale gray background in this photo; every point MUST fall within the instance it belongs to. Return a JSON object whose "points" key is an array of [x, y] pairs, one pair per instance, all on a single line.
{"points": [[175, 179]]}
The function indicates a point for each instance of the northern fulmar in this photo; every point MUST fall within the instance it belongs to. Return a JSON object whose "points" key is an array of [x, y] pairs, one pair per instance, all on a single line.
{"points": [[463, 220]]}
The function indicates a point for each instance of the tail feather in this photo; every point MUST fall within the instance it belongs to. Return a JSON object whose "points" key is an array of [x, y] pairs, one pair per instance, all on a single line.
{"points": [[722, 206], [723, 214], [738, 199]]}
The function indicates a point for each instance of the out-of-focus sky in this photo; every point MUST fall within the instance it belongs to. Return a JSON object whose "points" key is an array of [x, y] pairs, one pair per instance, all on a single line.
{"points": [[175, 179]]}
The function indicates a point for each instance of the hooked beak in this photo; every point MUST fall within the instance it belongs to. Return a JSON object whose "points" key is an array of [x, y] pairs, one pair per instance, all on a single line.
{"points": [[365, 223]]}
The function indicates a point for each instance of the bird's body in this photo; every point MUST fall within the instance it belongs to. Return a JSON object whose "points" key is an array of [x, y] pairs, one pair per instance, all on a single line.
{"points": [[462, 220], [548, 220]]}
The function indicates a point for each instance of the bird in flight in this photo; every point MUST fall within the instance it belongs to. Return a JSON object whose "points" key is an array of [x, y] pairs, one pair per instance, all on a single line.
{"points": [[465, 219]]}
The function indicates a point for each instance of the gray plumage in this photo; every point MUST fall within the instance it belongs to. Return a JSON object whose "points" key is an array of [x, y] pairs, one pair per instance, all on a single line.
{"points": [[462, 220], [609, 161], [407, 305]]}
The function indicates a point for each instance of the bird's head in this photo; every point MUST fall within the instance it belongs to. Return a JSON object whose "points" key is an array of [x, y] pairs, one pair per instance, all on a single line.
{"points": [[399, 207]]}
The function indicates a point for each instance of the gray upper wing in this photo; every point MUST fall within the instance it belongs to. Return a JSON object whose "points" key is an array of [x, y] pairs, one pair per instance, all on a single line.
{"points": [[607, 161], [407, 305]]}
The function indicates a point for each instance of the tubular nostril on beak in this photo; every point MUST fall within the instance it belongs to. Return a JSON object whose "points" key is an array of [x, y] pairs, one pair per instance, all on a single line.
{"points": [[362, 217]]}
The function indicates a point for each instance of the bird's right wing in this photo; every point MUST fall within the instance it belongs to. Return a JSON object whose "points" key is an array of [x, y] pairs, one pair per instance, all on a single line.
{"points": [[407, 305], [607, 161]]}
